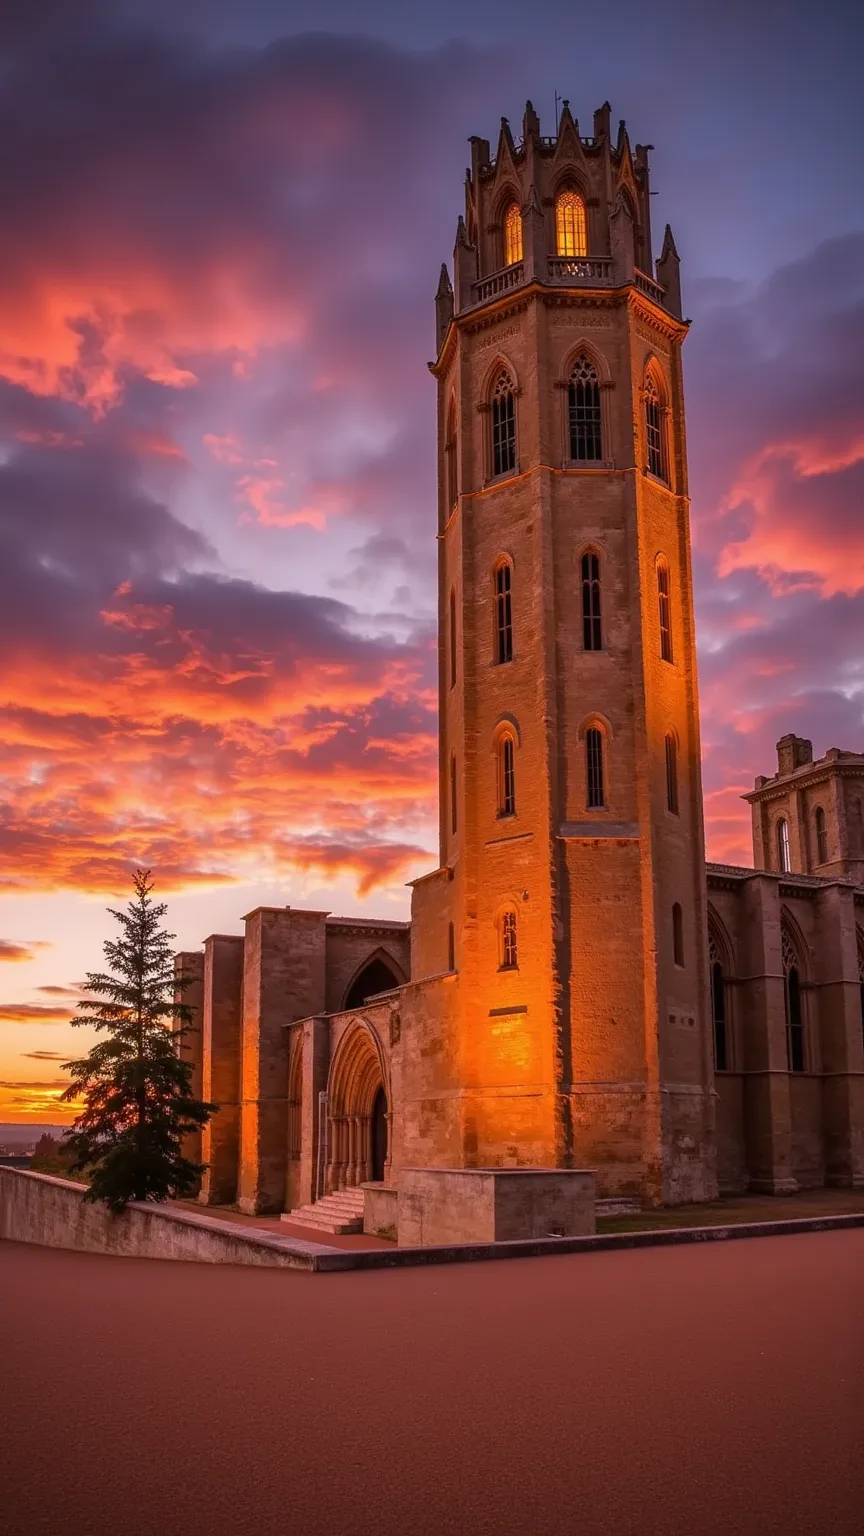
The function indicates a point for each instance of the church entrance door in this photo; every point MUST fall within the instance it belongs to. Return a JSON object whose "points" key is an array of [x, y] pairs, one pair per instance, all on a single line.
{"points": [[379, 1135]]}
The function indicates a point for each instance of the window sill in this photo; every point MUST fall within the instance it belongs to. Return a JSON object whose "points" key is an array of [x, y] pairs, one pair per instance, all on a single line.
{"points": [[509, 968], [505, 815], [657, 479], [507, 474], [588, 466]]}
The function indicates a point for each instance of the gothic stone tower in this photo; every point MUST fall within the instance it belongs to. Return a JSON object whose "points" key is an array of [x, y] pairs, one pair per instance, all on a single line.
{"points": [[571, 812]]}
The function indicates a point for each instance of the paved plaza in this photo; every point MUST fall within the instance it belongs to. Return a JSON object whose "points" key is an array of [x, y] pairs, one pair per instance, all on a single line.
{"points": [[700, 1390]]}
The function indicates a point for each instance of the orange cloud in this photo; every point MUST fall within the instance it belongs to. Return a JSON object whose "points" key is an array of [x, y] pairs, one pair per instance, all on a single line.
{"points": [[21, 952]]}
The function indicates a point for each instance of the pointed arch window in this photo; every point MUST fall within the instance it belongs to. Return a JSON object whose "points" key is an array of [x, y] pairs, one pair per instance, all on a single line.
{"points": [[583, 412], [795, 1056], [784, 857], [450, 461], [451, 947], [506, 776], [503, 612], [594, 768], [571, 236], [512, 235], [821, 836], [452, 637], [860, 937], [454, 814], [654, 433], [671, 774], [508, 957], [718, 1006], [503, 425], [664, 607], [592, 633], [677, 934]]}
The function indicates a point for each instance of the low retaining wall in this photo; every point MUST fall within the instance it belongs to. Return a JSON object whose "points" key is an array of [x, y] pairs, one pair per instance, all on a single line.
{"points": [[380, 1210], [493, 1205], [35, 1208]]}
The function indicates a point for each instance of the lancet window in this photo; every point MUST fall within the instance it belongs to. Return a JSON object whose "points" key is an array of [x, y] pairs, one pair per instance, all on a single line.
{"points": [[512, 235], [451, 461], [821, 836], [506, 776], [860, 937], [503, 612], [664, 610], [594, 767], [677, 933], [654, 434], [503, 425], [454, 813], [672, 775], [452, 638], [571, 237], [795, 1059], [718, 1006], [784, 857], [508, 940], [583, 410], [592, 634]]}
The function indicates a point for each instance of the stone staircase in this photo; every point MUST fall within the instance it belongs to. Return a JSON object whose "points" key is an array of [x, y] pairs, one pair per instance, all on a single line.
{"points": [[337, 1213]]}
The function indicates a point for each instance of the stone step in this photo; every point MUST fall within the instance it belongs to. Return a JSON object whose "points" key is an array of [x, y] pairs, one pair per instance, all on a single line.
{"points": [[321, 1223], [336, 1203]]}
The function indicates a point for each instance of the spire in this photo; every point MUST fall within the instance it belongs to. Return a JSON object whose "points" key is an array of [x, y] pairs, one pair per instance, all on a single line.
{"points": [[530, 123], [602, 121], [669, 273], [505, 142], [464, 265], [443, 306]]}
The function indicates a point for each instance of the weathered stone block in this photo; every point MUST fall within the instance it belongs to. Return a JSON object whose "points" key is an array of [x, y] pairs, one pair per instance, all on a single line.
{"points": [[493, 1205]]}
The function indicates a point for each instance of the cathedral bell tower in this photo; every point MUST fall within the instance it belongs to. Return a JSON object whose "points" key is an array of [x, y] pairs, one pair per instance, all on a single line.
{"points": [[572, 881]]}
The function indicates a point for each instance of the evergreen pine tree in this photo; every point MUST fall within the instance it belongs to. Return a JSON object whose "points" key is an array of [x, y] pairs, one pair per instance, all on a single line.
{"points": [[137, 1091]]}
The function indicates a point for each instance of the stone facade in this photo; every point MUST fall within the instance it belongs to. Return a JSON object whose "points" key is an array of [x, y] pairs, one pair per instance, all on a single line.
{"points": [[573, 990]]}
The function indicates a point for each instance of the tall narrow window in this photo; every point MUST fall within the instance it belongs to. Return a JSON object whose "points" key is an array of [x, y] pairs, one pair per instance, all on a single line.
{"points": [[592, 637], [795, 1061], [821, 836], [452, 638], [583, 409], [718, 1007], [570, 229], [784, 860], [503, 425], [512, 235], [861, 977], [454, 817], [672, 775], [503, 612], [451, 947], [450, 461], [506, 776], [665, 610], [594, 767], [677, 934], [654, 429], [509, 950]]}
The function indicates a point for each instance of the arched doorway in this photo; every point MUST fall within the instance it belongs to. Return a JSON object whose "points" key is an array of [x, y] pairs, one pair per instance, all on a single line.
{"points": [[358, 1123], [379, 1135], [376, 976]]}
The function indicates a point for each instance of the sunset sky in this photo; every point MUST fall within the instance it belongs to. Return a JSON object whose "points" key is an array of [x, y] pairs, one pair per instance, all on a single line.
{"points": [[221, 235]]}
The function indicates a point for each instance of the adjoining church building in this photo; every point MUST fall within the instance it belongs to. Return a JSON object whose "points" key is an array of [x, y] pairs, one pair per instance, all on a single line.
{"points": [[576, 988]]}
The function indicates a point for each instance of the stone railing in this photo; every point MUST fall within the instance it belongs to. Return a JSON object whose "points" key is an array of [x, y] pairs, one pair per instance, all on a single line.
{"points": [[648, 286], [582, 271], [499, 282]]}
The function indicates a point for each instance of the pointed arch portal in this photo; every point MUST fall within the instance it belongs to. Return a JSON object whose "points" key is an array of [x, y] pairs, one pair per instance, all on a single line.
{"points": [[359, 1119], [376, 976]]}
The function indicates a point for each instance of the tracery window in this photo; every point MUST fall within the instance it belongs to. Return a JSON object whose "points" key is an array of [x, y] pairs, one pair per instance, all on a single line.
{"points": [[506, 776], [583, 411], [654, 436], [512, 235], [570, 226], [503, 612], [452, 638], [821, 836], [592, 634], [672, 775], [509, 948], [503, 425], [594, 767], [665, 610], [718, 1006], [795, 1061], [784, 857], [677, 934]]}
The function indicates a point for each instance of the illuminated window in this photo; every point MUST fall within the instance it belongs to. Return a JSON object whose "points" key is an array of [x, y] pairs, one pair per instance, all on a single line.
{"points": [[654, 436], [677, 934], [795, 1060], [594, 767], [664, 610], [452, 638], [821, 836], [512, 235], [784, 861], [583, 408], [509, 954], [506, 776], [503, 613], [570, 230], [718, 1007], [503, 425], [450, 461], [453, 811], [592, 638], [672, 775]]}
